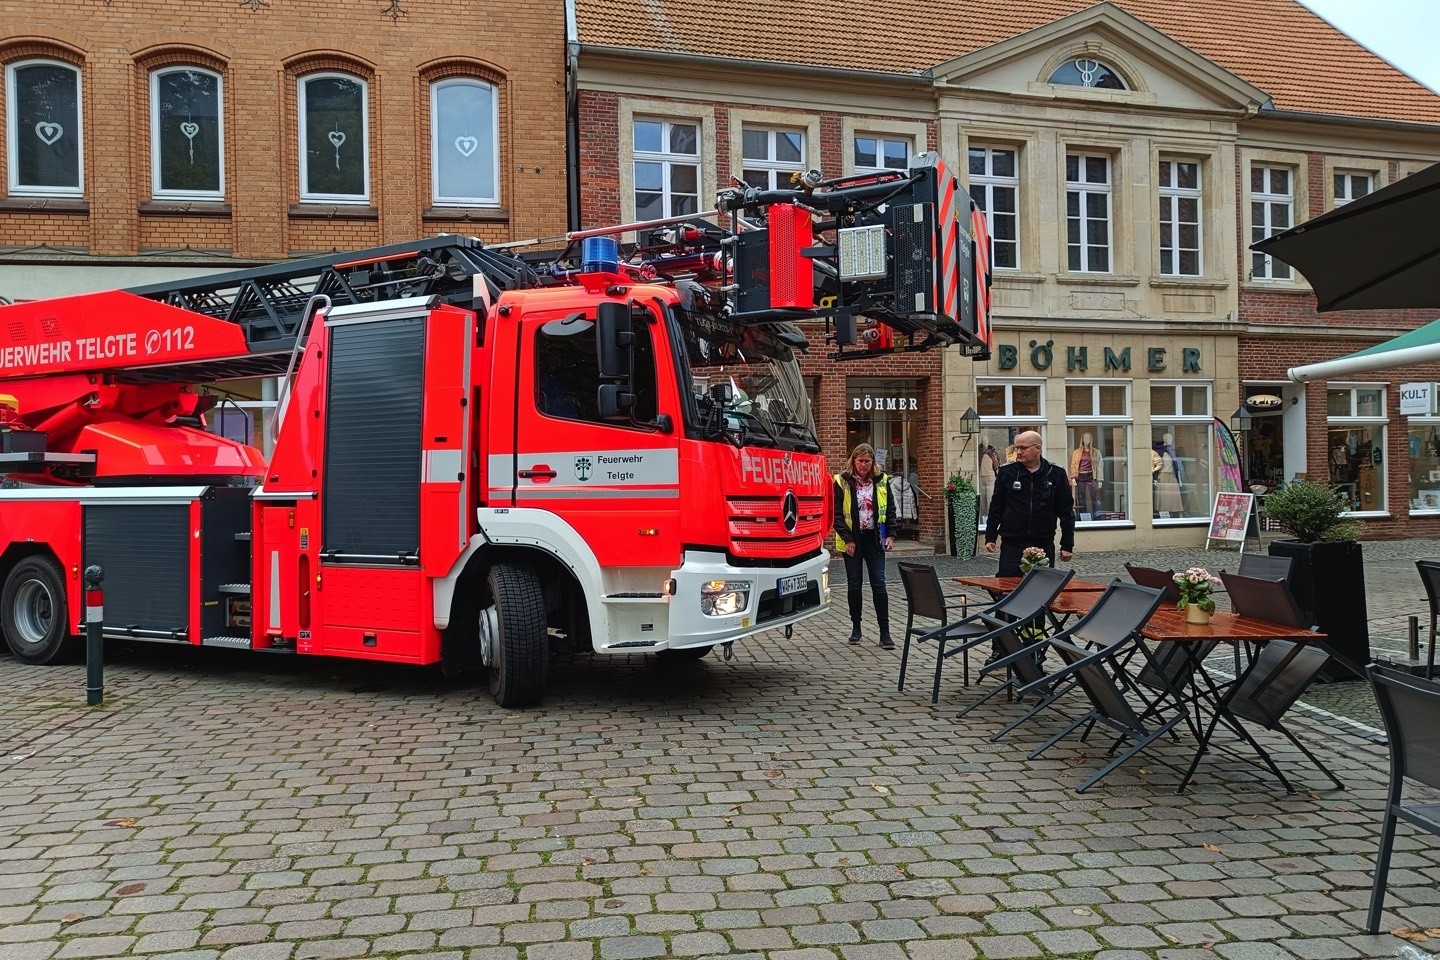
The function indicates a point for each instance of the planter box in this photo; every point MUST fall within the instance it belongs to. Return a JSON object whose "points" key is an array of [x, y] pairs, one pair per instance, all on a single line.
{"points": [[1328, 580], [963, 514]]}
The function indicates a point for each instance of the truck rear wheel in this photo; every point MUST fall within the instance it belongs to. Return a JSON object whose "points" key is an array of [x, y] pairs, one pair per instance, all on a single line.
{"points": [[32, 611], [514, 641]]}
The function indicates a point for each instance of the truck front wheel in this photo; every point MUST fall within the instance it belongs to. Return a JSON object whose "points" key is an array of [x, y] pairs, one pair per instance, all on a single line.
{"points": [[514, 641], [32, 611]]}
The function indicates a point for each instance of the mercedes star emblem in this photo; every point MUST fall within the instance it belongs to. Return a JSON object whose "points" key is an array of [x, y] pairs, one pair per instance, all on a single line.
{"points": [[790, 511]]}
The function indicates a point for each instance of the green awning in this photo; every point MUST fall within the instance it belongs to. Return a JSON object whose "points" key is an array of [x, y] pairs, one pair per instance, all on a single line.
{"points": [[1417, 346]]}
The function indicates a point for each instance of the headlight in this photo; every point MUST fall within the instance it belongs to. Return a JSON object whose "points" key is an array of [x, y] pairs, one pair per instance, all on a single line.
{"points": [[825, 579], [724, 598]]}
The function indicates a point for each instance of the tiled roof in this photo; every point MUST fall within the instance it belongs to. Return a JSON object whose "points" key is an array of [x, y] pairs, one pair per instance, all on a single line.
{"points": [[1301, 61]]}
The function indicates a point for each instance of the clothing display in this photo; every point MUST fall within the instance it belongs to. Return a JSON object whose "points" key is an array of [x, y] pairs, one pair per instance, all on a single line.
{"points": [[1085, 475], [1167, 483]]}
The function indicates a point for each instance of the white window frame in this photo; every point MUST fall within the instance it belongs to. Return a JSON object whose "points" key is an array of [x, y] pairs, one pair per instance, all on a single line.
{"points": [[1009, 419], [668, 160], [1126, 420], [1356, 419], [1170, 198], [155, 159], [1340, 177], [443, 200], [306, 196], [881, 139], [988, 183], [1084, 189], [1274, 271], [772, 167], [12, 145], [1208, 419], [1433, 422]]}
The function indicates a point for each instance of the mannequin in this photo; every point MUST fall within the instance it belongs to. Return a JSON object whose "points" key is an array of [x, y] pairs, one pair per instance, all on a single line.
{"points": [[1085, 475], [1164, 469]]}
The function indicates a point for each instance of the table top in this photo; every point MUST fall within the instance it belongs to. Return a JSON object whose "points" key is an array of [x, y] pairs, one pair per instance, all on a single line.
{"points": [[1168, 623], [1008, 584]]}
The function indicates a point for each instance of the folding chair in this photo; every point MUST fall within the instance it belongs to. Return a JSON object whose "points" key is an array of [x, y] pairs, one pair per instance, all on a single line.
{"points": [[1023, 605], [1266, 568], [1116, 617], [1277, 677], [1408, 706], [926, 598], [1263, 599], [1094, 672], [1430, 577], [1162, 580]]}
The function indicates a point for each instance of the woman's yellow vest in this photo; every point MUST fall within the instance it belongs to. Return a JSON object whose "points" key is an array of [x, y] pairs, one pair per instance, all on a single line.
{"points": [[847, 494]]}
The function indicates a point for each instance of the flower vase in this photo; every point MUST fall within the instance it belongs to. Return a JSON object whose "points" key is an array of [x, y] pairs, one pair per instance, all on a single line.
{"points": [[1194, 614]]}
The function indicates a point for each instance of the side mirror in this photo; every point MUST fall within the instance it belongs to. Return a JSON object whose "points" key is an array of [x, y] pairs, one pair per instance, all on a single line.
{"points": [[614, 402], [613, 340]]}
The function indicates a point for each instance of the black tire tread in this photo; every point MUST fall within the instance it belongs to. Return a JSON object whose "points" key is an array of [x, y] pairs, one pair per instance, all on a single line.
{"points": [[524, 647], [59, 650]]}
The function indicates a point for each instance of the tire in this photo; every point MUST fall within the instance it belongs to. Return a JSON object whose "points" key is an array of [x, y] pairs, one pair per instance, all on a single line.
{"points": [[33, 612], [518, 649], [684, 655]]}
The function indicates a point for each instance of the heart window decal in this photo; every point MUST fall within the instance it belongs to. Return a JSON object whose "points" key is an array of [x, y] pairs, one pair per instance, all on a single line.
{"points": [[466, 145], [49, 132], [337, 137]]}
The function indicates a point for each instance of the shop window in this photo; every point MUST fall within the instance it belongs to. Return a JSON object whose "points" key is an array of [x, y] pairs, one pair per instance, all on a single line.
{"points": [[667, 168], [44, 134], [1355, 439], [334, 139], [187, 134], [1425, 465], [995, 188], [1097, 450], [770, 156], [464, 143], [1179, 463], [1006, 409]]}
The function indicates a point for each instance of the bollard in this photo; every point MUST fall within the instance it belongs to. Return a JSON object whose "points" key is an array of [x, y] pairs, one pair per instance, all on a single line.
{"points": [[1414, 653], [94, 637]]}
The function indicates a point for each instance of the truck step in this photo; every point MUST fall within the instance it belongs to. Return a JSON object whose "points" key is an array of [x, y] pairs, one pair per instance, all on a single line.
{"points": [[635, 598], [234, 588], [241, 642]]}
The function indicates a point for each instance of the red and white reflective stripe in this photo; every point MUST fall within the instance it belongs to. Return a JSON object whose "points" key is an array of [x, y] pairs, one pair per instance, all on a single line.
{"points": [[94, 606]]}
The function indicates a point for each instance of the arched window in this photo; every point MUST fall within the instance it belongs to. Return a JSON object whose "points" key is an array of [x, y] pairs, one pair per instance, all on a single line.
{"points": [[1085, 72], [334, 138], [187, 134], [464, 143], [44, 137]]}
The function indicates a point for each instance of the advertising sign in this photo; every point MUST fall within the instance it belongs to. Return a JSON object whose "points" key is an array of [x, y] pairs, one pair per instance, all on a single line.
{"points": [[1231, 517], [1417, 399]]}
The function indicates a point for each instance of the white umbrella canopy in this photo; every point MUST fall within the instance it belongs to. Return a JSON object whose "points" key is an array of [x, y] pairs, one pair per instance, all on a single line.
{"points": [[1417, 346]]}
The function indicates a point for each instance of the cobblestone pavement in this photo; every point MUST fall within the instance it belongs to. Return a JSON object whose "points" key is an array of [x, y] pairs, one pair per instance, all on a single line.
{"points": [[788, 804]]}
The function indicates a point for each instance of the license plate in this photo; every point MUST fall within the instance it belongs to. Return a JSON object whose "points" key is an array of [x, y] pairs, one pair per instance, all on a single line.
{"points": [[795, 584]]}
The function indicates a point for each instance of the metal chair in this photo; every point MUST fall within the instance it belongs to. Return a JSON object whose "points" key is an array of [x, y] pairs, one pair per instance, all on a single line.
{"points": [[1096, 672], [1266, 568], [1162, 580], [926, 598], [1408, 706], [1430, 577], [1116, 618], [1023, 605], [1264, 600]]}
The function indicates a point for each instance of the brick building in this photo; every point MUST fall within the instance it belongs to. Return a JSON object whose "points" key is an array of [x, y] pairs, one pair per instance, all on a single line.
{"points": [[1127, 154], [167, 138]]}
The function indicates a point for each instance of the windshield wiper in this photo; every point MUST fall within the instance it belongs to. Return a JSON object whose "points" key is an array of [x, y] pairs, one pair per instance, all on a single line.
{"points": [[804, 439]]}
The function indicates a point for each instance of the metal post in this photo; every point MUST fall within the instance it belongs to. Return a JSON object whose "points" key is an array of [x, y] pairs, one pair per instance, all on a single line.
{"points": [[1414, 634], [94, 637]]}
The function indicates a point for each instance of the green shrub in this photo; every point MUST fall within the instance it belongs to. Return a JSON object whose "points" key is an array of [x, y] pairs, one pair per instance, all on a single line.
{"points": [[1311, 513]]}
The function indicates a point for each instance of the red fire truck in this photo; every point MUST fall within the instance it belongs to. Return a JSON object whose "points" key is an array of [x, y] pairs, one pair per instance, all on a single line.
{"points": [[479, 454]]}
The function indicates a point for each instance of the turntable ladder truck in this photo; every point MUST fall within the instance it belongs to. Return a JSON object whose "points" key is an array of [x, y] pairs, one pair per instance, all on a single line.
{"points": [[479, 454]]}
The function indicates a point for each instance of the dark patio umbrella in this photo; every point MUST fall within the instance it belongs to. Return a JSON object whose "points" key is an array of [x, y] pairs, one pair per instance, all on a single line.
{"points": [[1378, 252]]}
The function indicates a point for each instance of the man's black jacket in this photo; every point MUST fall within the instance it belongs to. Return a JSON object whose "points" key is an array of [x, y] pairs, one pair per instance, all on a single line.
{"points": [[1027, 505]]}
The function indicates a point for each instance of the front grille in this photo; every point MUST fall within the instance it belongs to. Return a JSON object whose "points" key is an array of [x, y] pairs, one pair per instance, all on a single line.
{"points": [[756, 528]]}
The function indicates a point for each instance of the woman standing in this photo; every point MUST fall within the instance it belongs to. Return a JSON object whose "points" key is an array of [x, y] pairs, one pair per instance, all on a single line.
{"points": [[864, 519]]}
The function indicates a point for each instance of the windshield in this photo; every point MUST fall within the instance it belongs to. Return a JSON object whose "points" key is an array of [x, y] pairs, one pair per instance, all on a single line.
{"points": [[745, 381]]}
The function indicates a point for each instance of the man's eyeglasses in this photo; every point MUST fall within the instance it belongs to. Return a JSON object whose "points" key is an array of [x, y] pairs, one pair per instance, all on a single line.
{"points": [[1026, 446]]}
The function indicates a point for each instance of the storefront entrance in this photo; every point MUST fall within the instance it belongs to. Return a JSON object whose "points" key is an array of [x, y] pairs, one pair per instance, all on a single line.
{"points": [[887, 414]]}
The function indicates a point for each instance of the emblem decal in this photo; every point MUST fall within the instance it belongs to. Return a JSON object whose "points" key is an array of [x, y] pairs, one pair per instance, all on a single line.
{"points": [[582, 468], [790, 511]]}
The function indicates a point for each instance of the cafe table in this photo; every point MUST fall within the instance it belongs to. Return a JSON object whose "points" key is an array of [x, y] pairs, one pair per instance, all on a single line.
{"points": [[999, 587]]}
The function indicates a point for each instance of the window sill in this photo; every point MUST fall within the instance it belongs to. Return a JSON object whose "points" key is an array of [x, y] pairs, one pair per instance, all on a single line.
{"points": [[334, 211], [1097, 280], [1431, 512], [185, 208], [44, 205], [1104, 525], [468, 214], [1274, 286], [1180, 522], [1199, 283], [1367, 515], [1002, 275]]}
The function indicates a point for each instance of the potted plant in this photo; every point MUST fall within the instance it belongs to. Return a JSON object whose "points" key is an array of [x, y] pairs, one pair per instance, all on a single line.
{"points": [[1196, 588], [1327, 573], [963, 506]]}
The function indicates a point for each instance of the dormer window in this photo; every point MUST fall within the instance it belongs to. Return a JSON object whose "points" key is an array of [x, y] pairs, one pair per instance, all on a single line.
{"points": [[1085, 72]]}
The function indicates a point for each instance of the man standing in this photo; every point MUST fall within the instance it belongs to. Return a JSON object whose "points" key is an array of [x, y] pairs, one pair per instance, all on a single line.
{"points": [[1030, 496]]}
